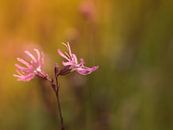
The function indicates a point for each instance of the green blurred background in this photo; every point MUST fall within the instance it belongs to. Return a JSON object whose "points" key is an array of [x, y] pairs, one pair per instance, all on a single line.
{"points": [[131, 41]]}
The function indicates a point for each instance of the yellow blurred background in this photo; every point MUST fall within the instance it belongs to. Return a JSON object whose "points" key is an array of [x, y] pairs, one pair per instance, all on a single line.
{"points": [[131, 41]]}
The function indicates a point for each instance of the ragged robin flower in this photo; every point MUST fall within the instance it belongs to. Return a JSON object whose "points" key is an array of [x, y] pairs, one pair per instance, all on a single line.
{"points": [[72, 62], [27, 70]]}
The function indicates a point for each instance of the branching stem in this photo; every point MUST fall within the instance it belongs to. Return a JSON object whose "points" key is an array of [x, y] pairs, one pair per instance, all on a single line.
{"points": [[55, 86]]}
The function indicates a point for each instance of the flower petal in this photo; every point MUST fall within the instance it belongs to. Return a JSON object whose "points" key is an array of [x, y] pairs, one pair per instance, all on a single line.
{"points": [[41, 59], [28, 77], [74, 58], [21, 67], [38, 54], [69, 49], [31, 56], [23, 62], [67, 63], [86, 70], [62, 54]]}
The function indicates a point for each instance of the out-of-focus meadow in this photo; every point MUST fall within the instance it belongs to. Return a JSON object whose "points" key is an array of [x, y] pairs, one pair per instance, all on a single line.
{"points": [[131, 41]]}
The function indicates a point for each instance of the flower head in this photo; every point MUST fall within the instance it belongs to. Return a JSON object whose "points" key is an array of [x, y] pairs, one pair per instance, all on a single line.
{"points": [[88, 10], [72, 62], [30, 69]]}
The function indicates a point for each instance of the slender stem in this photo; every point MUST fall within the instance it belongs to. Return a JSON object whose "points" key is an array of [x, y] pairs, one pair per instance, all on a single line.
{"points": [[58, 101], [55, 86], [59, 109]]}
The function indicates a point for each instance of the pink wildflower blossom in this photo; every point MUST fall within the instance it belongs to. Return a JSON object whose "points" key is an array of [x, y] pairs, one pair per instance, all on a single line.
{"points": [[72, 61], [32, 68]]}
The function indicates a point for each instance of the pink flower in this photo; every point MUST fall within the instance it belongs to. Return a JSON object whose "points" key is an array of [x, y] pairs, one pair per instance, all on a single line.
{"points": [[72, 61], [87, 10], [32, 68]]}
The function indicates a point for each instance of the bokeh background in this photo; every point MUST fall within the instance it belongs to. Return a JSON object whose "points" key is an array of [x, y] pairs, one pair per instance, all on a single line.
{"points": [[131, 41]]}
